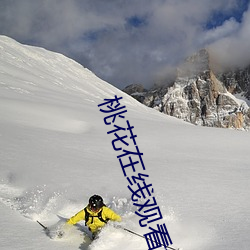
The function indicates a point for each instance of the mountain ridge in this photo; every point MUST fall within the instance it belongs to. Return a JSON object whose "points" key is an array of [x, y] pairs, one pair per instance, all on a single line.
{"points": [[201, 95]]}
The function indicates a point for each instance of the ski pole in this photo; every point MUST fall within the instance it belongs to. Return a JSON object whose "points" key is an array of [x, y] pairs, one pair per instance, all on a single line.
{"points": [[125, 229], [45, 228]]}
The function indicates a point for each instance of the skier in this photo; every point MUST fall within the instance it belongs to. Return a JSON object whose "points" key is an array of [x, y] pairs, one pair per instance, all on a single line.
{"points": [[95, 214]]}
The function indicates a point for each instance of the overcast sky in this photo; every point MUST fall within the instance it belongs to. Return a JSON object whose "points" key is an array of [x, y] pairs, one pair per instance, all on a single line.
{"points": [[131, 41]]}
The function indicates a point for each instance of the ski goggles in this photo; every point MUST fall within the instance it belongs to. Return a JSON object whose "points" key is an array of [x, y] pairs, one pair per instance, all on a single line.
{"points": [[94, 208]]}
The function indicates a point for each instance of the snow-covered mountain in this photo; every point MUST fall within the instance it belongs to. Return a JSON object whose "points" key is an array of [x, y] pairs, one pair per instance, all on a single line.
{"points": [[201, 95], [55, 153]]}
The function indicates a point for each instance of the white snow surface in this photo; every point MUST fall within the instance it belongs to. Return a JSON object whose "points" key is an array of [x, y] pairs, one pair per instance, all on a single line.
{"points": [[55, 153]]}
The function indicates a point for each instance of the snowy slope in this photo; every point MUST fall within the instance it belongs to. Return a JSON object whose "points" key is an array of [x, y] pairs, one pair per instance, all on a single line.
{"points": [[55, 153]]}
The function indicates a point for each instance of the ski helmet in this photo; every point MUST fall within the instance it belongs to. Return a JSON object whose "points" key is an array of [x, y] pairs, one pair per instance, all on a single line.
{"points": [[95, 202]]}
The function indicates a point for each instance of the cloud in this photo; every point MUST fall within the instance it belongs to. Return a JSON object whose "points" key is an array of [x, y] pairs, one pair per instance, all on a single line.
{"points": [[233, 49], [125, 42], [228, 28]]}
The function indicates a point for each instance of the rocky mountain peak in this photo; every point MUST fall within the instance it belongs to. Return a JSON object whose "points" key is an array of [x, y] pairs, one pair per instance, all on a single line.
{"points": [[196, 64], [200, 96]]}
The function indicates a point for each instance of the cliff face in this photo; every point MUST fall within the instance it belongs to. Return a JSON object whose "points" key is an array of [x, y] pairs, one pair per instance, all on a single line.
{"points": [[201, 97], [237, 81]]}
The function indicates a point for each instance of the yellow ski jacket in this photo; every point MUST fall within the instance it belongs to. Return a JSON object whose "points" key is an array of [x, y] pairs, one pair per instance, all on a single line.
{"points": [[94, 223]]}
